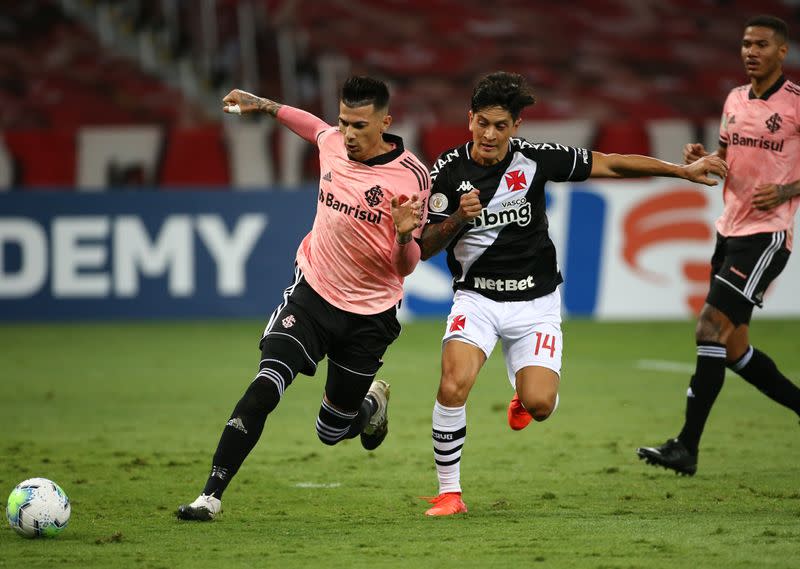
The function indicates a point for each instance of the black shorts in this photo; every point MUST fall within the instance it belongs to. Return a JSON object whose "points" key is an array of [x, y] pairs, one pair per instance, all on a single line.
{"points": [[741, 270], [354, 342]]}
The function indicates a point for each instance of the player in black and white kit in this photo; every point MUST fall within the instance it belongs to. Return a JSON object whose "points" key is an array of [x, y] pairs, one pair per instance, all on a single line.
{"points": [[487, 208]]}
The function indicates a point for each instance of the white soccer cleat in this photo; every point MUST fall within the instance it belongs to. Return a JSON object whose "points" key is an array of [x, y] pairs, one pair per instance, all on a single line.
{"points": [[204, 508], [378, 427]]}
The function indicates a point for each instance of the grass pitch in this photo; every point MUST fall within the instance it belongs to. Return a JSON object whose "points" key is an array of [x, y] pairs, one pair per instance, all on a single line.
{"points": [[126, 417]]}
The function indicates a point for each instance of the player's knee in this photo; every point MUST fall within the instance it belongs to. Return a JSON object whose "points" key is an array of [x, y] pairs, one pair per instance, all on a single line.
{"points": [[452, 391], [713, 326], [539, 405], [260, 398]]}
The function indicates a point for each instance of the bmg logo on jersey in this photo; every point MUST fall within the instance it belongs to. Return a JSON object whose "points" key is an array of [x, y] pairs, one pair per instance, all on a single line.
{"points": [[519, 215]]}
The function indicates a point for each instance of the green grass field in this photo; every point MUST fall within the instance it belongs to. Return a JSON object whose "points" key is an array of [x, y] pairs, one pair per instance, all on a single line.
{"points": [[126, 417]]}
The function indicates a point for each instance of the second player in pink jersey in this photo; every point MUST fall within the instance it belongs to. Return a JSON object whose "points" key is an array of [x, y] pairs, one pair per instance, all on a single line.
{"points": [[759, 137], [348, 279], [760, 140]]}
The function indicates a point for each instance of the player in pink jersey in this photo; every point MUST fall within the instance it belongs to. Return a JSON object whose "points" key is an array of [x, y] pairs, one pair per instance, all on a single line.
{"points": [[760, 140], [342, 303]]}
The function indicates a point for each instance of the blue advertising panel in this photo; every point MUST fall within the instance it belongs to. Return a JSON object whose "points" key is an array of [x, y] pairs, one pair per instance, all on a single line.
{"points": [[148, 254]]}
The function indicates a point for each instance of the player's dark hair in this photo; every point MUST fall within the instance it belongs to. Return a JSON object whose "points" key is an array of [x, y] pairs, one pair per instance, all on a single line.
{"points": [[775, 24], [509, 91], [360, 91]]}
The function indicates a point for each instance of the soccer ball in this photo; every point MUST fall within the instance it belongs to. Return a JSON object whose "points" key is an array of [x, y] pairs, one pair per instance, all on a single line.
{"points": [[38, 507]]}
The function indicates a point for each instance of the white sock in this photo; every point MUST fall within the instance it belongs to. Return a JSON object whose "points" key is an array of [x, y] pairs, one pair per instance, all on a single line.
{"points": [[449, 432]]}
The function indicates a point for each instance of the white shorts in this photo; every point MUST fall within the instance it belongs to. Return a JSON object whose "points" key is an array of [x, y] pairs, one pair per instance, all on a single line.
{"points": [[530, 330]]}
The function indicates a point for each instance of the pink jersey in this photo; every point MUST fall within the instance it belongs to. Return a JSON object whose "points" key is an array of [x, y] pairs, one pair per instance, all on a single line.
{"points": [[347, 256], [762, 140]]}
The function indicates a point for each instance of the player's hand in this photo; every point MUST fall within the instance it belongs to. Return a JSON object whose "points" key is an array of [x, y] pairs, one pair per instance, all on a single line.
{"points": [[768, 196], [469, 207], [407, 215], [241, 102], [693, 152], [700, 170]]}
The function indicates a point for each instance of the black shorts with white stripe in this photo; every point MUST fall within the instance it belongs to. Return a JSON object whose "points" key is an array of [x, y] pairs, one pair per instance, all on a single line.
{"points": [[742, 269], [354, 343]]}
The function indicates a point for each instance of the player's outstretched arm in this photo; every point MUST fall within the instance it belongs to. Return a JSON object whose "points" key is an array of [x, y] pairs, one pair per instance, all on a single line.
{"points": [[300, 122], [436, 236], [637, 166], [240, 102]]}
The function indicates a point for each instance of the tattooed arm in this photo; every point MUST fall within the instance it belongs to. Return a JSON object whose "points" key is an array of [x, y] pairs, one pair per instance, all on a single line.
{"points": [[298, 121], [436, 236], [249, 103], [768, 196]]}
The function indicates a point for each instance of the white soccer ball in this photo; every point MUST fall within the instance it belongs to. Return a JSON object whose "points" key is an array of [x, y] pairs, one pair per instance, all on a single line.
{"points": [[38, 507]]}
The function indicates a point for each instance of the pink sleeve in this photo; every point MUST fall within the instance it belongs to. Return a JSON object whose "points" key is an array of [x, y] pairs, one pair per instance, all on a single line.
{"points": [[301, 123], [405, 257]]}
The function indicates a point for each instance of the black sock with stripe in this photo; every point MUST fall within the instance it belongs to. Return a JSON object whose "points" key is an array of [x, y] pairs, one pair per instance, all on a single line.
{"points": [[758, 369], [705, 385]]}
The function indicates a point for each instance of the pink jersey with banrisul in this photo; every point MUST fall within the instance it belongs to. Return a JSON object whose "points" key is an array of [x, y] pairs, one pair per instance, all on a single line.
{"points": [[762, 138], [347, 256]]}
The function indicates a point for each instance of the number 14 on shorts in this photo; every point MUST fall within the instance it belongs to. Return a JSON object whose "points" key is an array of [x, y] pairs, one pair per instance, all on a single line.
{"points": [[545, 342]]}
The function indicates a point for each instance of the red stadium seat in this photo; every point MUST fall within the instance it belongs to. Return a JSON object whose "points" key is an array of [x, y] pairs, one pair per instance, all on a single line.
{"points": [[46, 158], [195, 157], [622, 138]]}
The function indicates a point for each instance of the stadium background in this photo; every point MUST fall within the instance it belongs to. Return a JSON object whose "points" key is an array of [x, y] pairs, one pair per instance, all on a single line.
{"points": [[127, 197], [119, 171]]}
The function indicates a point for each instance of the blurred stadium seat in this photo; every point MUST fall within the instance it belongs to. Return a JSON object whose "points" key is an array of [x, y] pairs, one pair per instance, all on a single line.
{"points": [[68, 64]]}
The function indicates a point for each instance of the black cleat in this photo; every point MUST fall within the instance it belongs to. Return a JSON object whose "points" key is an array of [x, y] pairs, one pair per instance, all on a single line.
{"points": [[378, 427], [673, 454]]}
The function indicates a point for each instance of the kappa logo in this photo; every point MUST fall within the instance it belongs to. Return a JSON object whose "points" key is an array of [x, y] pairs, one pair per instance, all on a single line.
{"points": [[516, 180], [327, 177], [774, 123], [464, 187], [374, 195], [289, 321]]}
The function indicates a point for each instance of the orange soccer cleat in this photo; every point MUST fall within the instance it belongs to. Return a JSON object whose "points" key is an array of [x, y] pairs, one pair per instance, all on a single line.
{"points": [[518, 416], [446, 504]]}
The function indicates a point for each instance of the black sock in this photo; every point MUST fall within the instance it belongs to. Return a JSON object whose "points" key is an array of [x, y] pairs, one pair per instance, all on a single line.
{"points": [[758, 369], [243, 429], [368, 407], [334, 425], [704, 387]]}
